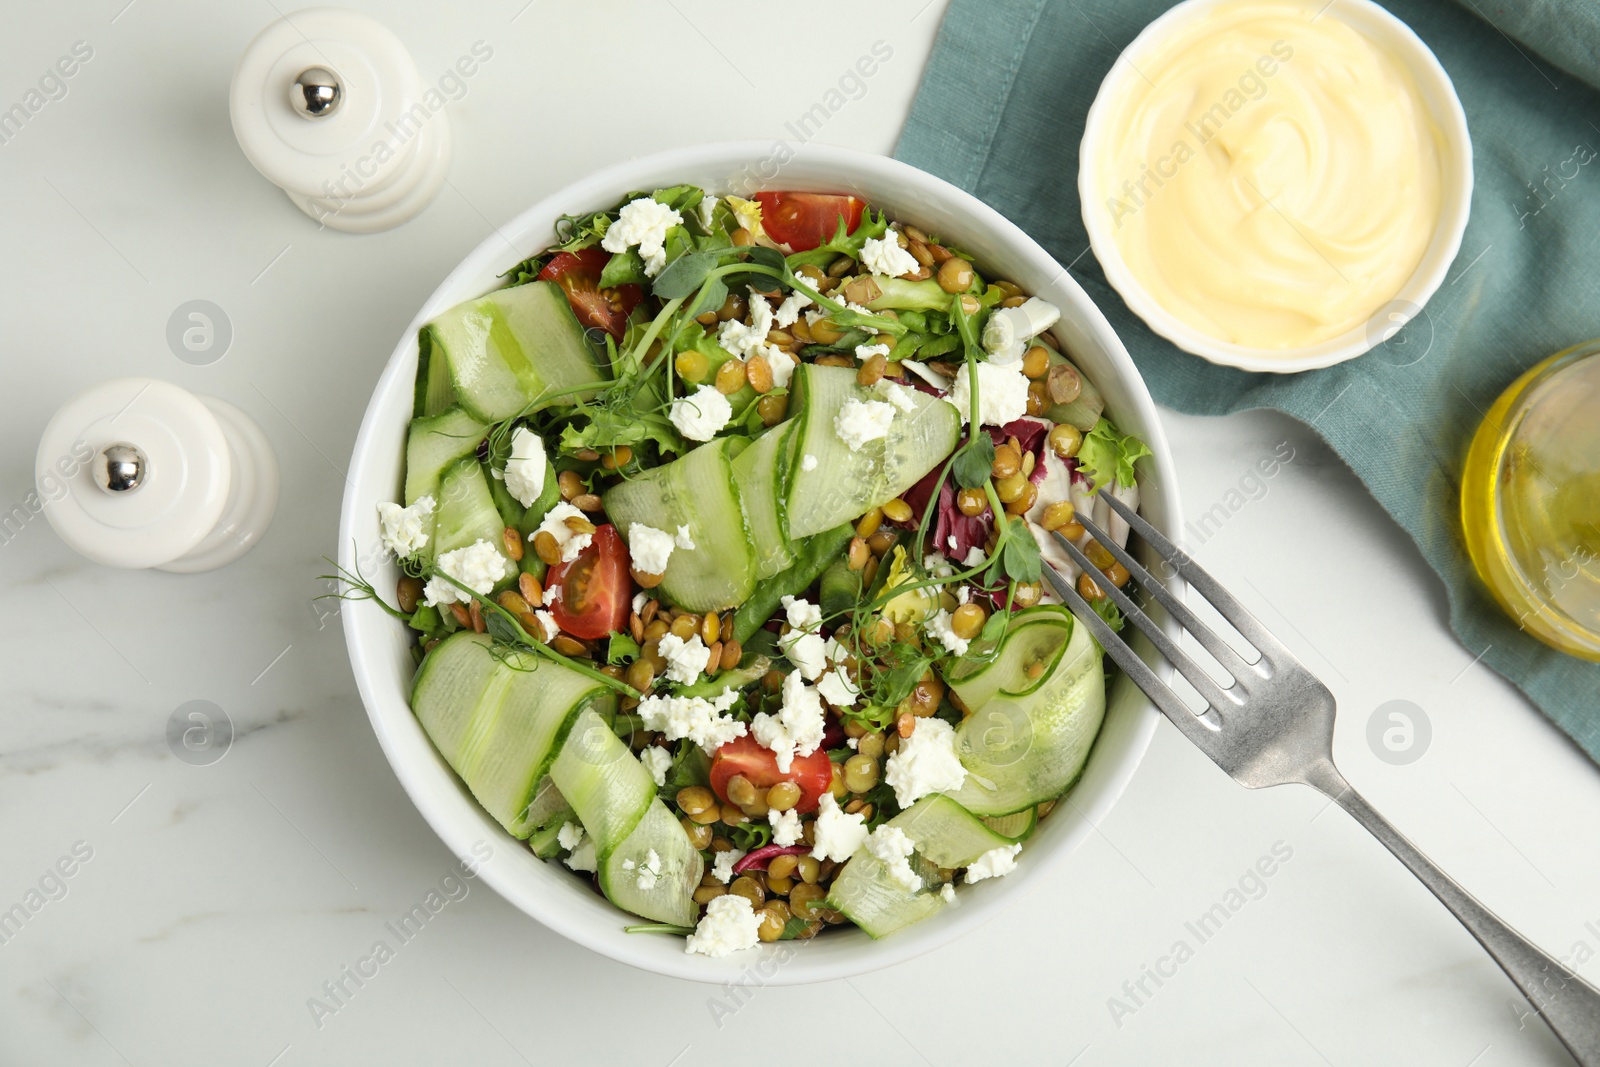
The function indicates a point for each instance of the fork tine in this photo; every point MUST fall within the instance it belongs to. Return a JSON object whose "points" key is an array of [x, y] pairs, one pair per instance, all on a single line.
{"points": [[1198, 728], [1227, 605], [1206, 685], [1213, 643]]}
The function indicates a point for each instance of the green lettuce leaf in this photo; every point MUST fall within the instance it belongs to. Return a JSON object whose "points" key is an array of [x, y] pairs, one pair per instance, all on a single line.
{"points": [[1107, 454]]}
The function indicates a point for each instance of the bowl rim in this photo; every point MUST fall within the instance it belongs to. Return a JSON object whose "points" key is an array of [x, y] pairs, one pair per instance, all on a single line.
{"points": [[1437, 91], [396, 727]]}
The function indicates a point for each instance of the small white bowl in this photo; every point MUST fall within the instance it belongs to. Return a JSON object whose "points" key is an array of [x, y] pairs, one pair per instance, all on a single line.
{"points": [[1455, 201], [380, 648]]}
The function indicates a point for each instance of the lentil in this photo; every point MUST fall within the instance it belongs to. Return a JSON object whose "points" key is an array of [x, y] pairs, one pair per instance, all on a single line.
{"points": [[859, 553], [860, 773], [783, 796], [693, 799], [966, 622], [1065, 440], [871, 372], [692, 365], [699, 836], [759, 373], [407, 593], [1063, 385], [1010, 488], [772, 409], [730, 377], [955, 274], [747, 887], [1057, 515], [772, 923], [971, 501]]}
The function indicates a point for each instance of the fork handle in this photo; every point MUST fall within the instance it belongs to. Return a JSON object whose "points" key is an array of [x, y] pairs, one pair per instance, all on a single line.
{"points": [[1568, 1004]]}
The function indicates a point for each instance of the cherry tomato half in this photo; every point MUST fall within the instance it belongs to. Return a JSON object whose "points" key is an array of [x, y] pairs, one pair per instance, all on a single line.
{"points": [[805, 220], [747, 756], [595, 588], [578, 274]]}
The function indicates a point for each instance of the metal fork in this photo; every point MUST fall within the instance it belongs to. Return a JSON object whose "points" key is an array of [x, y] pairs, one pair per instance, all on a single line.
{"points": [[1273, 724]]}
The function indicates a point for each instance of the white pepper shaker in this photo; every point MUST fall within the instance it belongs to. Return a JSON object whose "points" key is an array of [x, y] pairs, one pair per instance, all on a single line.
{"points": [[328, 105], [139, 473]]}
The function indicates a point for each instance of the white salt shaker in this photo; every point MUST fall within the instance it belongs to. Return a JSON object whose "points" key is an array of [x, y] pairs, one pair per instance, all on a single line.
{"points": [[140, 473], [328, 105]]}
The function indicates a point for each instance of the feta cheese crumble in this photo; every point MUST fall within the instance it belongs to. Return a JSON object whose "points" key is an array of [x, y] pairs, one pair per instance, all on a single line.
{"points": [[1002, 393], [975, 556], [640, 599], [897, 395], [996, 863], [883, 255], [937, 626], [837, 688], [926, 762], [891, 845], [567, 540], [702, 413], [789, 311], [683, 540], [808, 462], [478, 567], [649, 870], [580, 847], [836, 833], [729, 925], [1008, 331], [808, 653], [525, 470], [801, 613], [797, 728], [785, 826], [685, 659], [548, 623], [866, 352], [643, 222], [947, 893], [649, 548], [403, 531], [722, 864], [802, 644], [860, 421], [700, 720], [658, 761]]}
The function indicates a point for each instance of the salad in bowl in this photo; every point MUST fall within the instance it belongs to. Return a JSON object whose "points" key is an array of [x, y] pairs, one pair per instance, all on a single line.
{"points": [[721, 535]]}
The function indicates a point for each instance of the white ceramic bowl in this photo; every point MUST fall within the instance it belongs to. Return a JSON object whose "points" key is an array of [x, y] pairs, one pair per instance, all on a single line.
{"points": [[380, 647], [1455, 202]]}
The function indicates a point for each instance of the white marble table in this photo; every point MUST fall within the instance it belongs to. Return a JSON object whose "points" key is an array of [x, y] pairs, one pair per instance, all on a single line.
{"points": [[216, 900]]}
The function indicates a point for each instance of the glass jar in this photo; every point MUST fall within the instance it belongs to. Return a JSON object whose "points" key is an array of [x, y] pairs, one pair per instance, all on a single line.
{"points": [[1530, 500]]}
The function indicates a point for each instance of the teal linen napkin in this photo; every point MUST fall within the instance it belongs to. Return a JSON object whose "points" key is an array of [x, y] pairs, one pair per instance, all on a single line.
{"points": [[1001, 111]]}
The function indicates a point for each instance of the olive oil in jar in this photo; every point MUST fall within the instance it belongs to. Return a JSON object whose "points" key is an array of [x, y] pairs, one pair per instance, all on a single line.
{"points": [[1530, 500]]}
